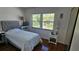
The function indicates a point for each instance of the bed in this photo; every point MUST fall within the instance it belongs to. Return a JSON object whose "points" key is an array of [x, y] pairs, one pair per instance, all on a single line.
{"points": [[24, 40]]}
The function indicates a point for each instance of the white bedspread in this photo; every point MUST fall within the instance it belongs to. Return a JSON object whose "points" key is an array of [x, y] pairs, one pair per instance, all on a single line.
{"points": [[25, 40]]}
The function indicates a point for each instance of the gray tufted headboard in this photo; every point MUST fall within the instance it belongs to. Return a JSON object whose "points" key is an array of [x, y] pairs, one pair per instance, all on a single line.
{"points": [[7, 25]]}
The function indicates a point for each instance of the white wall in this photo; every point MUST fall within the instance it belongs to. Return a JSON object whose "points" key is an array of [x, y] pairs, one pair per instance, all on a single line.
{"points": [[10, 13], [75, 41], [62, 24]]}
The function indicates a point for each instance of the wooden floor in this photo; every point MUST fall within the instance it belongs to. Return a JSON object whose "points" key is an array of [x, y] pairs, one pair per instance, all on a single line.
{"points": [[45, 46], [8, 47]]}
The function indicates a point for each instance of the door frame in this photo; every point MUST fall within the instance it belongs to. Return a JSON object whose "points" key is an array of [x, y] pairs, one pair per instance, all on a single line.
{"points": [[73, 30]]}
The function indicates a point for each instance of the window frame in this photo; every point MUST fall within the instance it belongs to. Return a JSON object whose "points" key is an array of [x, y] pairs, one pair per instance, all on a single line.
{"points": [[41, 21]]}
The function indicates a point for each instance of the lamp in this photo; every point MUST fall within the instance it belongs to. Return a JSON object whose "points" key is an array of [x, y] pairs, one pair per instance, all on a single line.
{"points": [[21, 18]]}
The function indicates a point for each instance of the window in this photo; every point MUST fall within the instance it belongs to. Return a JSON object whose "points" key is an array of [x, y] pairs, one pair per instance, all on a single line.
{"points": [[48, 21], [36, 20], [44, 21]]}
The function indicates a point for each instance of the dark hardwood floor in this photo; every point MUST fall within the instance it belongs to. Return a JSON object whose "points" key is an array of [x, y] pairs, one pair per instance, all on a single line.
{"points": [[45, 46], [8, 47]]}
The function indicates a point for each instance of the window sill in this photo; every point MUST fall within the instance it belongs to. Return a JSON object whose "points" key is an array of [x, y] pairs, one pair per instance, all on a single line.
{"points": [[42, 29]]}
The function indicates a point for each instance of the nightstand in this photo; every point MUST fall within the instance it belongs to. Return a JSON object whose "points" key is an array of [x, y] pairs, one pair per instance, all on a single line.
{"points": [[53, 36], [2, 35], [3, 39], [53, 39]]}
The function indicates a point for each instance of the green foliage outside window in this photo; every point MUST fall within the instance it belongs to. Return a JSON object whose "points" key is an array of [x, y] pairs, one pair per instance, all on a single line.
{"points": [[36, 20], [46, 19]]}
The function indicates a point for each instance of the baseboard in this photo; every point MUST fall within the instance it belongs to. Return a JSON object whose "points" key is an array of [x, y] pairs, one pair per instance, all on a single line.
{"points": [[58, 42]]}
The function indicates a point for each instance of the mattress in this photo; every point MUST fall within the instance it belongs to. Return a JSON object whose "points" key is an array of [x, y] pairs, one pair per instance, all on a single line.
{"points": [[25, 40]]}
